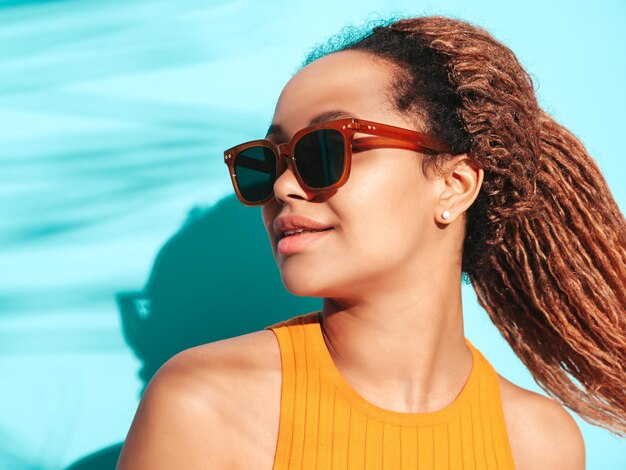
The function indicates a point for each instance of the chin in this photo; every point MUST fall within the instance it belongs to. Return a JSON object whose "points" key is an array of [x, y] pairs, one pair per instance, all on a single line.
{"points": [[305, 283], [303, 287], [310, 283]]}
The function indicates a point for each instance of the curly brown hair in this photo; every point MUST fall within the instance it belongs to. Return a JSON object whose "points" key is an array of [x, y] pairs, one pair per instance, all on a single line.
{"points": [[545, 242]]}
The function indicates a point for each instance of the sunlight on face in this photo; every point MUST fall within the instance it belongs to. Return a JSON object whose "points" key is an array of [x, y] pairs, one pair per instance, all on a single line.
{"points": [[383, 217]]}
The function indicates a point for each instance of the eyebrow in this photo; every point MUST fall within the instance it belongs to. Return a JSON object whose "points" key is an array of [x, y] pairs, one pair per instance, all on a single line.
{"points": [[275, 130]]}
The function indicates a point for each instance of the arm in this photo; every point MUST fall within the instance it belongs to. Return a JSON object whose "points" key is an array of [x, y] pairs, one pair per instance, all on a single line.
{"points": [[542, 433], [175, 425]]}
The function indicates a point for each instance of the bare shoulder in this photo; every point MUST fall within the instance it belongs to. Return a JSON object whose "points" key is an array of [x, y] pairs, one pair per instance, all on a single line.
{"points": [[203, 400], [541, 431]]}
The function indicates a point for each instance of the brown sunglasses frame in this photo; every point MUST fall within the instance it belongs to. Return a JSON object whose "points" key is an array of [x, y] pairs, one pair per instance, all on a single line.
{"points": [[386, 136]]}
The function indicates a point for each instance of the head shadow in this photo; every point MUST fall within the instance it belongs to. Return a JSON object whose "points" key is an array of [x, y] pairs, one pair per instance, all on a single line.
{"points": [[215, 278]]}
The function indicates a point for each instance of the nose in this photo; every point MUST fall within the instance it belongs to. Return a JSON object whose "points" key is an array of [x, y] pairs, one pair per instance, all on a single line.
{"points": [[286, 184]]}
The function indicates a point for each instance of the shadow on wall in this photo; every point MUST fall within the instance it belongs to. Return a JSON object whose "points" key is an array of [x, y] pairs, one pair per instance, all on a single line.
{"points": [[216, 278]]}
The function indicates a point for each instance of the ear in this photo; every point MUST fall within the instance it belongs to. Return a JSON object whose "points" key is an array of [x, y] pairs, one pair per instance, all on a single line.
{"points": [[460, 181]]}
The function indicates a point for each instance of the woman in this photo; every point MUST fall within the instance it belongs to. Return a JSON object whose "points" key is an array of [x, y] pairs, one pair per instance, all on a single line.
{"points": [[421, 158]]}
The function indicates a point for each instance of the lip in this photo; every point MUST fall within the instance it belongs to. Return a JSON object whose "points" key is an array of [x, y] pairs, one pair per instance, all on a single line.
{"points": [[295, 221], [297, 243]]}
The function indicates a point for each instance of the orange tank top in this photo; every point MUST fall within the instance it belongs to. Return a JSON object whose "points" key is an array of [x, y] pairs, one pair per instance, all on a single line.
{"points": [[325, 424]]}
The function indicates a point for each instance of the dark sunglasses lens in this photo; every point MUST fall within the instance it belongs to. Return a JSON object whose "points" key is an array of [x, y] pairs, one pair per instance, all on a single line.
{"points": [[320, 157], [255, 170]]}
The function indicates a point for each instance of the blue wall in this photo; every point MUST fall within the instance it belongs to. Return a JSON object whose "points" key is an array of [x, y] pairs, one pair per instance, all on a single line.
{"points": [[117, 209]]}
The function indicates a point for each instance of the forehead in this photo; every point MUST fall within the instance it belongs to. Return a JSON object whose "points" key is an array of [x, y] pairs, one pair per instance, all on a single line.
{"points": [[352, 81]]}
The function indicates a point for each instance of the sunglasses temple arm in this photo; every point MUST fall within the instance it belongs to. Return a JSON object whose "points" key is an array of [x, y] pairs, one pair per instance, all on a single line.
{"points": [[368, 143]]}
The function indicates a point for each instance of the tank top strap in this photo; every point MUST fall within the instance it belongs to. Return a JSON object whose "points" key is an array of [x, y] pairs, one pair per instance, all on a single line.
{"points": [[298, 397]]}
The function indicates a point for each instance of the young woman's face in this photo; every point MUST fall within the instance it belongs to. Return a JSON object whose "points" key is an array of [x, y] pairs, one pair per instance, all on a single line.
{"points": [[383, 218]]}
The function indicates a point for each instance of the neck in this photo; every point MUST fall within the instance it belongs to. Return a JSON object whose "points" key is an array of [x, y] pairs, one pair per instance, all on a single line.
{"points": [[402, 355]]}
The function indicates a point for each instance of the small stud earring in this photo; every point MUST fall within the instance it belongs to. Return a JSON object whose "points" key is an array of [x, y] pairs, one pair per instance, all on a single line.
{"points": [[445, 215]]}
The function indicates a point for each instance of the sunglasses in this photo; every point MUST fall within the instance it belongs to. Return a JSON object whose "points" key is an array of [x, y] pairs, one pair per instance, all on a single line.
{"points": [[320, 156]]}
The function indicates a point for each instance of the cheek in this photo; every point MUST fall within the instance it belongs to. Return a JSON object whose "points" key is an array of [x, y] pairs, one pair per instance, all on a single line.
{"points": [[388, 235], [385, 213]]}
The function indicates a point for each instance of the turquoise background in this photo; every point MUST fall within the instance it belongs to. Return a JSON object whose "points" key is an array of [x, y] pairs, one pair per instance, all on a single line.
{"points": [[121, 241]]}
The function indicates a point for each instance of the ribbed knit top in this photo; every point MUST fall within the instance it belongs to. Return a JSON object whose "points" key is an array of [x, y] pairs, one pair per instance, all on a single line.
{"points": [[325, 424]]}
